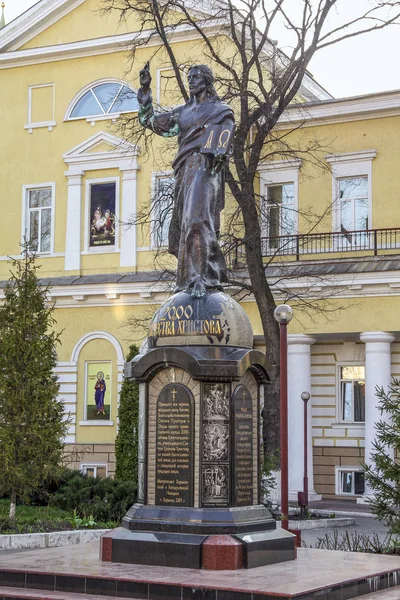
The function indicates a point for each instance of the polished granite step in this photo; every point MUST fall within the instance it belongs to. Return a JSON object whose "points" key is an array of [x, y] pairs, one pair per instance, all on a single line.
{"points": [[11, 593], [314, 575]]}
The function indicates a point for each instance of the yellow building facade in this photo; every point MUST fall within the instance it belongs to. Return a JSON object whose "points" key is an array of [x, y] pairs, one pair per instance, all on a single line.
{"points": [[72, 183]]}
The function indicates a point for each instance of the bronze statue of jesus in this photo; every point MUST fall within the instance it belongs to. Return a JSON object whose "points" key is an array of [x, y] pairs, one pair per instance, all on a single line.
{"points": [[204, 126]]}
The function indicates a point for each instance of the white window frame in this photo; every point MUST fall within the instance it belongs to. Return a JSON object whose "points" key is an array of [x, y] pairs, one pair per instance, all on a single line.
{"points": [[37, 124], [339, 420], [91, 119], [279, 172], [25, 212], [101, 249], [184, 67], [339, 469], [346, 165], [84, 466], [154, 178]]}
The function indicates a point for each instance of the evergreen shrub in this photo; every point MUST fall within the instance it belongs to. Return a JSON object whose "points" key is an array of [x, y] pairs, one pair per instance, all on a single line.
{"points": [[126, 443], [104, 498], [383, 475]]}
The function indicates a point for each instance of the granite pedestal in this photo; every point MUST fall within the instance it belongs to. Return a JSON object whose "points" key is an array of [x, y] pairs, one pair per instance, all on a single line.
{"points": [[200, 394]]}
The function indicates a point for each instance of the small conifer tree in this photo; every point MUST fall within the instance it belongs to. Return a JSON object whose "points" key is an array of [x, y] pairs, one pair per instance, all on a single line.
{"points": [[383, 475], [32, 424], [126, 443]]}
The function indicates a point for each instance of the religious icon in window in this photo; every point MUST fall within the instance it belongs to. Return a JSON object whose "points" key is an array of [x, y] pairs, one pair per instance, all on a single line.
{"points": [[102, 215], [98, 391]]}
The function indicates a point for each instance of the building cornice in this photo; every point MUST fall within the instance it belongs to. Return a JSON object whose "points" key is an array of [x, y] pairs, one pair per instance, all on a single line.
{"points": [[371, 106], [84, 48], [147, 290]]}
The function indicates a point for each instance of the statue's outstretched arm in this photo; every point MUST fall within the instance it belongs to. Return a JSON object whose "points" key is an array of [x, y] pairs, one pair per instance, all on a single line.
{"points": [[164, 124]]}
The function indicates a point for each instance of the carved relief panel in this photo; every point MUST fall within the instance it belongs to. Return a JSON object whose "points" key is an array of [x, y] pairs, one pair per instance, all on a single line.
{"points": [[215, 472]]}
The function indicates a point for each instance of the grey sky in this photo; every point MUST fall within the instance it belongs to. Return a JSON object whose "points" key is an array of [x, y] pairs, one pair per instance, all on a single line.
{"points": [[358, 66]]}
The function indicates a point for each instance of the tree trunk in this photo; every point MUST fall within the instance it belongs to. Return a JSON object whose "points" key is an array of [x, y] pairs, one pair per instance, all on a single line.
{"points": [[266, 306], [13, 505]]}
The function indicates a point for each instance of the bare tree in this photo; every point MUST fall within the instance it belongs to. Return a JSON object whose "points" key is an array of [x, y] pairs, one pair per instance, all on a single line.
{"points": [[259, 82]]}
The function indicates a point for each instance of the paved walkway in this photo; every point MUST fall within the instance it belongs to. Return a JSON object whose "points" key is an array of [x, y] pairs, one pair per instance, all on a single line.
{"points": [[313, 570], [393, 594], [340, 505]]}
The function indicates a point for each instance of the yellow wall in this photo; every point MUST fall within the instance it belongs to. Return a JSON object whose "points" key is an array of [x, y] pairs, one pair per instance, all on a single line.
{"points": [[86, 21], [37, 157]]}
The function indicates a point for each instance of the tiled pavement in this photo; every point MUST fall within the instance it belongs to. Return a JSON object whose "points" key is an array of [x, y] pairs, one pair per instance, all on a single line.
{"points": [[316, 574], [393, 594]]}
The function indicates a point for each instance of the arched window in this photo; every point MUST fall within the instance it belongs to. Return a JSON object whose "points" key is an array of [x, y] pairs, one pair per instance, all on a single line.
{"points": [[103, 98]]}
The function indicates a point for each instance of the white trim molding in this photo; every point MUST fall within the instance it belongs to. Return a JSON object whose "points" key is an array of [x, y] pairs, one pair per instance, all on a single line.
{"points": [[95, 335], [83, 157], [39, 124], [350, 157], [280, 165], [350, 164]]}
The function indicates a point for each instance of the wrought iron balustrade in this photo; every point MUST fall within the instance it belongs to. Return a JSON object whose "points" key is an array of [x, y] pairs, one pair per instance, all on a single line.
{"points": [[368, 240]]}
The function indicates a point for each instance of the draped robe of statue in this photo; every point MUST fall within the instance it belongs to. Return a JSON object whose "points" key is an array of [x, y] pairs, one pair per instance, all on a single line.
{"points": [[198, 193]]}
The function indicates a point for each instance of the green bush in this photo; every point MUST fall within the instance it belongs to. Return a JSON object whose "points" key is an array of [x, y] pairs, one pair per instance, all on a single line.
{"points": [[126, 443], [50, 485], [105, 498]]}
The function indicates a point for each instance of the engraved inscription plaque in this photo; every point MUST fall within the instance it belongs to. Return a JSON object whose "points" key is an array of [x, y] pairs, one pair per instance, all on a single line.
{"points": [[243, 447], [174, 447]]}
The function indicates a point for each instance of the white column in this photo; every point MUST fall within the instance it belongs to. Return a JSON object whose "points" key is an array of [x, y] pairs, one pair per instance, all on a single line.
{"points": [[128, 215], [299, 380], [377, 373], [74, 220]]}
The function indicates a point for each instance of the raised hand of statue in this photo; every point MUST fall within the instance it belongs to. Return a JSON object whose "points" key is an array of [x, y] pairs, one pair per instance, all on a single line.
{"points": [[144, 92]]}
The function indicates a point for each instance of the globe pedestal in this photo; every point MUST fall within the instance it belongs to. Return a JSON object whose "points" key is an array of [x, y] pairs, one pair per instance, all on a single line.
{"points": [[199, 444]]}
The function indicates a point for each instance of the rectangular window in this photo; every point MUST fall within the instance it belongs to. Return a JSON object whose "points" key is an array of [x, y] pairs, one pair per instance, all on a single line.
{"points": [[353, 196], [98, 391], [278, 216], [39, 218], [102, 215], [94, 470], [162, 205], [350, 482], [352, 394]]}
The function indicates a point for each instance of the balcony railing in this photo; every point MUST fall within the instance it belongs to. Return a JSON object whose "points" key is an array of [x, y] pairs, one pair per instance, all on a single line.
{"points": [[369, 240]]}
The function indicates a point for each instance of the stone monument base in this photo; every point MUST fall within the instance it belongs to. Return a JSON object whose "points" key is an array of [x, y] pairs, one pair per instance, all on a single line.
{"points": [[199, 461], [191, 538]]}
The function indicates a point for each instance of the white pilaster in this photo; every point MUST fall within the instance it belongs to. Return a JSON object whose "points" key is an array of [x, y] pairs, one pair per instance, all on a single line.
{"points": [[377, 373], [74, 219], [128, 215], [299, 380]]}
